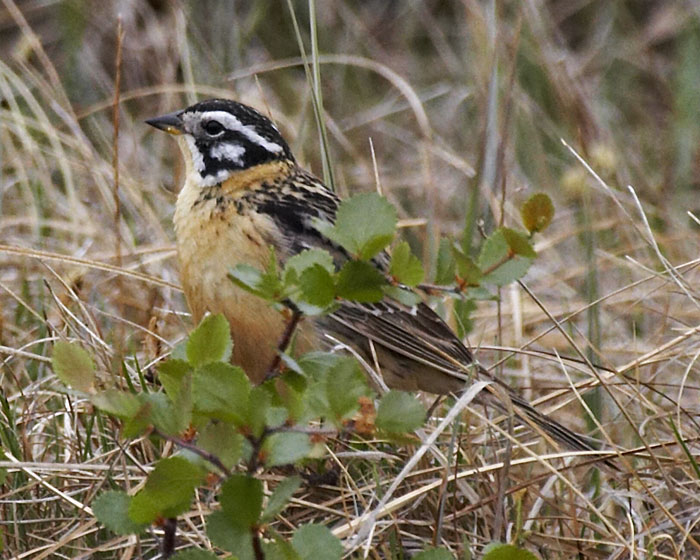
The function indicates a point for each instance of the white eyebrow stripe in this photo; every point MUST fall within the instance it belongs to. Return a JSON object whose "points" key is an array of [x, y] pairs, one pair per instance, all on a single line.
{"points": [[232, 123]]}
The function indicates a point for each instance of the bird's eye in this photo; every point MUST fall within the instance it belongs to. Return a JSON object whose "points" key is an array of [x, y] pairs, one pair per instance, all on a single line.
{"points": [[213, 128]]}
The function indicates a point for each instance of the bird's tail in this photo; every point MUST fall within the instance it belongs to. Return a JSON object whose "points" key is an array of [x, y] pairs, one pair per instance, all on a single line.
{"points": [[529, 415]]}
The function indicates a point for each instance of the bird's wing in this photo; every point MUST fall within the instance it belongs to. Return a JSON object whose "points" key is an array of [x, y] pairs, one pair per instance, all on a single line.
{"points": [[416, 333]]}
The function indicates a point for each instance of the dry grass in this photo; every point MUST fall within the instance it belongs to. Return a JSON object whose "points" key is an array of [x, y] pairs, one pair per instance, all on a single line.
{"points": [[466, 106]]}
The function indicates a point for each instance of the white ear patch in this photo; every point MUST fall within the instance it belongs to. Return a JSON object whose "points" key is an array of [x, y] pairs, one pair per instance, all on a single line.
{"points": [[232, 123], [228, 152]]}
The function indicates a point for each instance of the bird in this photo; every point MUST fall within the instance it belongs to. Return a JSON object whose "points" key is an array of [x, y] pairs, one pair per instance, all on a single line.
{"points": [[243, 194]]}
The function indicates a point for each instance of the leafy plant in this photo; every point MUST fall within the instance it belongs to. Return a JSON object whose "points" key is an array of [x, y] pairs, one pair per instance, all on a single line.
{"points": [[229, 432]]}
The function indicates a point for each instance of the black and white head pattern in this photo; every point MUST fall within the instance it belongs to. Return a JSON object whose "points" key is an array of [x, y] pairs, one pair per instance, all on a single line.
{"points": [[225, 136]]}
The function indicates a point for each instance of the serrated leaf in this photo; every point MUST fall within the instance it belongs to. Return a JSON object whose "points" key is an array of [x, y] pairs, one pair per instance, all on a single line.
{"points": [[73, 366], [316, 542], [537, 212], [156, 410], [407, 297], [364, 225], [499, 551], [249, 278], [194, 554], [308, 259], [117, 403], [210, 341], [276, 416], [112, 510], [317, 364], [168, 491], [227, 536], [258, 405], [170, 374], [344, 385], [279, 549], [519, 243], [317, 286], [463, 309], [405, 267], [360, 281], [434, 554], [279, 498], [223, 441], [265, 284], [220, 390], [467, 270], [241, 500], [505, 257], [445, 266], [182, 405], [399, 412], [285, 448], [180, 351]]}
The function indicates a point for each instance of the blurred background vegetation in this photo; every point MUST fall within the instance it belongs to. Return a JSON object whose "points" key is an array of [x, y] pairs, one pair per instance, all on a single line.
{"points": [[466, 104]]}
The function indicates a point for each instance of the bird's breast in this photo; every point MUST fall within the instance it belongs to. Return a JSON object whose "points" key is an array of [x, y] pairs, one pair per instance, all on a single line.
{"points": [[214, 234]]}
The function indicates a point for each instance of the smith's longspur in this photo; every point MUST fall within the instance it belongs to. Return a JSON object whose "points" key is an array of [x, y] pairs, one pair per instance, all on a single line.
{"points": [[244, 193]]}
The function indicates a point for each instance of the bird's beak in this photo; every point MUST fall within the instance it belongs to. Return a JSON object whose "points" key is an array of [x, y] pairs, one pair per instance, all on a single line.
{"points": [[170, 123]]}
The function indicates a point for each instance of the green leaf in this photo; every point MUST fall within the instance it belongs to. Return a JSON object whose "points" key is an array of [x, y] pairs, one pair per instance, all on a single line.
{"points": [[344, 385], [360, 281], [405, 267], [308, 259], [463, 309], [364, 225], [180, 351], [221, 391], [399, 412], [73, 366], [317, 286], [276, 416], [434, 554], [171, 373], [317, 364], [182, 405], [168, 490], [194, 554], [112, 510], [467, 270], [223, 441], [537, 212], [316, 542], [258, 405], [265, 284], [505, 257], [249, 278], [210, 341], [445, 266], [407, 297], [285, 448], [499, 551], [279, 549], [117, 403], [241, 500], [279, 498], [156, 410], [227, 536], [519, 243]]}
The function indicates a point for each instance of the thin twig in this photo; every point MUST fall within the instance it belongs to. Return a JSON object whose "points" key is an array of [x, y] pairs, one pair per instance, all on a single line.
{"points": [[213, 459], [273, 370], [168, 543]]}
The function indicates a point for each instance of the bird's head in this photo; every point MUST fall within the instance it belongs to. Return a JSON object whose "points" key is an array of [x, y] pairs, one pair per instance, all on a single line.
{"points": [[219, 137]]}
